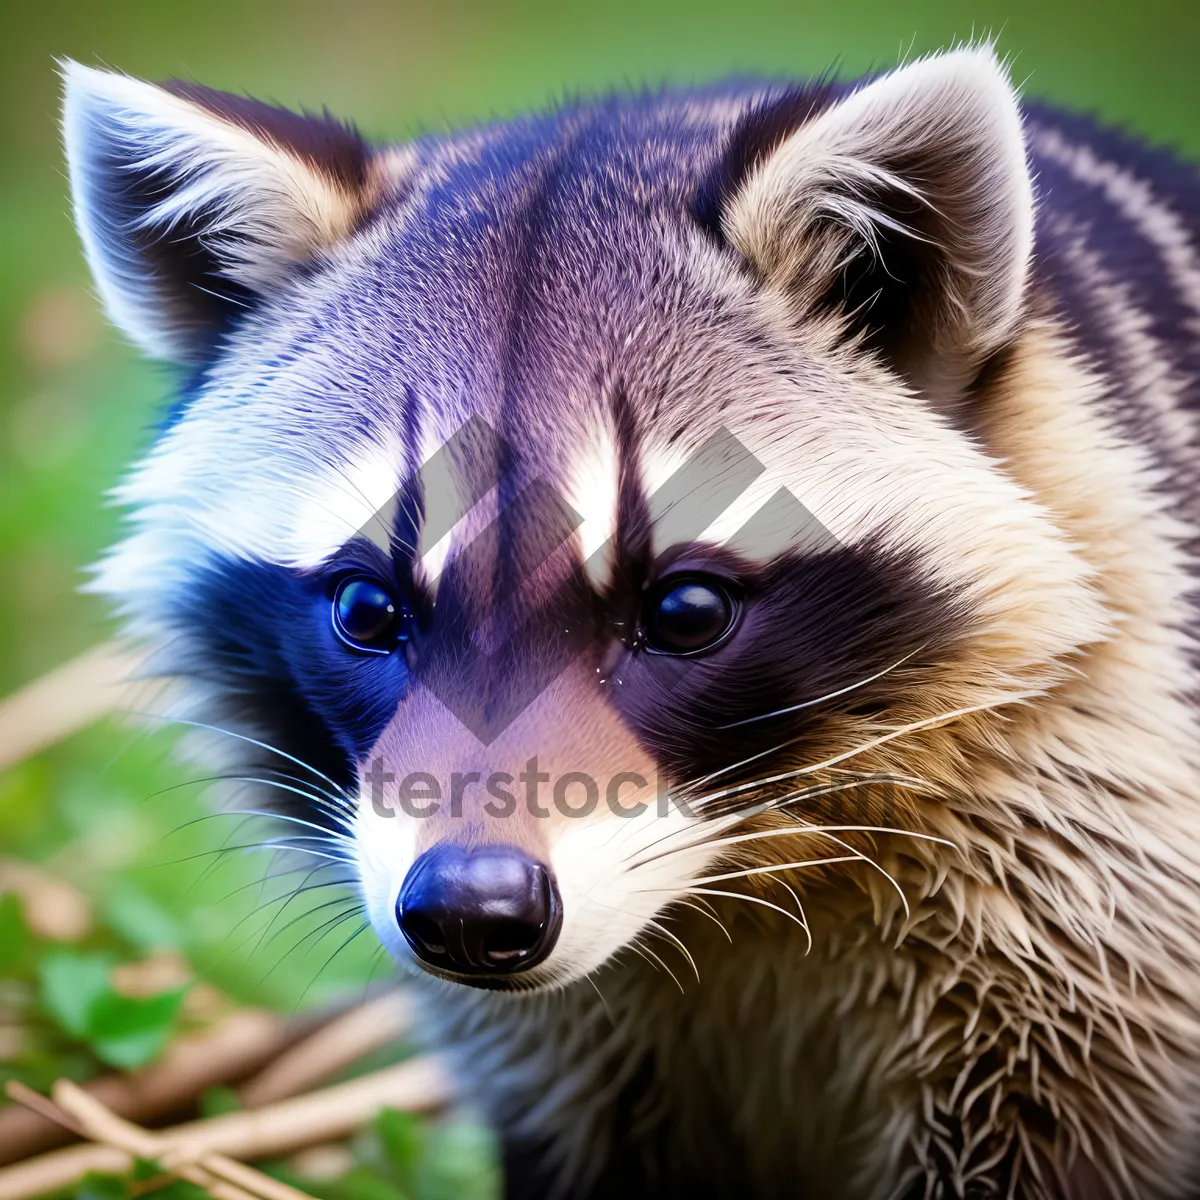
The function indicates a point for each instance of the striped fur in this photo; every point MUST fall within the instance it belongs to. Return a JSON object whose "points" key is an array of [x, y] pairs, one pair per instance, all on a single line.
{"points": [[929, 922]]}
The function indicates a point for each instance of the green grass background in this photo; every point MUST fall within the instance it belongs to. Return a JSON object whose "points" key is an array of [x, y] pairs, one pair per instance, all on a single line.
{"points": [[76, 403]]}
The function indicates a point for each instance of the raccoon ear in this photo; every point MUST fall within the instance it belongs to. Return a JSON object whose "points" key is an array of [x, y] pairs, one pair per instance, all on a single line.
{"points": [[191, 204], [906, 210]]}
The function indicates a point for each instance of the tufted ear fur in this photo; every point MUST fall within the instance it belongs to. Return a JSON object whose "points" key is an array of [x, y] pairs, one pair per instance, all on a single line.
{"points": [[906, 210], [193, 203]]}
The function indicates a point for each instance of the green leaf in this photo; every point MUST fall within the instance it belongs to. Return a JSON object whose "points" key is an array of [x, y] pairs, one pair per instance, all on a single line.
{"points": [[400, 1137], [145, 1168], [217, 1100], [180, 1189], [459, 1163], [14, 936], [71, 984], [140, 920], [102, 1187], [361, 1183], [128, 1031]]}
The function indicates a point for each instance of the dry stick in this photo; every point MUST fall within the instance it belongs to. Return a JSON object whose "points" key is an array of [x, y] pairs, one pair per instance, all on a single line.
{"points": [[130, 1137], [344, 1041], [103, 1126], [18, 1092], [66, 699], [53, 909], [230, 1050], [417, 1085]]}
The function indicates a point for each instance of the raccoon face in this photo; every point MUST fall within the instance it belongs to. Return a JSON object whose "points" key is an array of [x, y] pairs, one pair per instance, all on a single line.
{"points": [[585, 502]]}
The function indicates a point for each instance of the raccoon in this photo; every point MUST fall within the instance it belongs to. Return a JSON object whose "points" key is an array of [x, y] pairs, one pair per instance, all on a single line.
{"points": [[718, 568]]}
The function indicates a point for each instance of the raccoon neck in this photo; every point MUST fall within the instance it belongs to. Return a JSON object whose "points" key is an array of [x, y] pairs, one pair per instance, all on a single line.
{"points": [[1067, 435]]}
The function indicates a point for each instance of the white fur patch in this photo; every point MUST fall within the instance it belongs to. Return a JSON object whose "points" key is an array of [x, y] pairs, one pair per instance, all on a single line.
{"points": [[615, 874], [341, 502], [279, 511], [592, 489], [262, 209]]}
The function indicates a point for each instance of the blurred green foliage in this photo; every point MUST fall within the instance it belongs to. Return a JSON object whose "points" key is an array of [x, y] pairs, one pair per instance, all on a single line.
{"points": [[105, 811]]}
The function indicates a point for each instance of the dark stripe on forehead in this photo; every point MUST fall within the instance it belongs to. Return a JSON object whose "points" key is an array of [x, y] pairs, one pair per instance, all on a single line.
{"points": [[759, 131], [443, 489], [632, 526], [708, 481]]}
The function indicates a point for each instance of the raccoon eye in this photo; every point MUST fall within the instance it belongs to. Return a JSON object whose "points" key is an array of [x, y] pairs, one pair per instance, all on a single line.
{"points": [[685, 617], [366, 617]]}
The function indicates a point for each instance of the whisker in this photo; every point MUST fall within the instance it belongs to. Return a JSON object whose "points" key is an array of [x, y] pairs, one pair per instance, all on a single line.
{"points": [[806, 704], [640, 952], [915, 726], [853, 687], [878, 866], [791, 866], [230, 948], [674, 977], [259, 910], [662, 929], [712, 916], [242, 737], [287, 899], [337, 809], [316, 935], [725, 822], [376, 958], [325, 965], [831, 829], [829, 832], [731, 819], [704, 832], [273, 875], [332, 835], [603, 1001], [745, 761], [739, 896], [271, 844], [787, 887], [211, 868], [343, 901]]}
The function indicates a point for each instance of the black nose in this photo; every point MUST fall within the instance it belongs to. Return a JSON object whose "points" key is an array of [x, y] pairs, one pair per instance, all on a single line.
{"points": [[488, 911]]}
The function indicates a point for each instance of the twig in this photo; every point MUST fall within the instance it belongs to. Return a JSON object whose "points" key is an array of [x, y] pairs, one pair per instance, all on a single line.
{"points": [[68, 698], [344, 1041], [105, 1127], [16, 1091], [416, 1085], [230, 1050], [204, 1170], [52, 908]]}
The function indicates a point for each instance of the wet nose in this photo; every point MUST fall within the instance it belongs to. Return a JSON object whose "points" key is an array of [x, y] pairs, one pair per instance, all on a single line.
{"points": [[492, 910]]}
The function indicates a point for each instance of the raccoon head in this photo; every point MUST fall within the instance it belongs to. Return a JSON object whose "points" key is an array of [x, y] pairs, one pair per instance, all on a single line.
{"points": [[586, 508]]}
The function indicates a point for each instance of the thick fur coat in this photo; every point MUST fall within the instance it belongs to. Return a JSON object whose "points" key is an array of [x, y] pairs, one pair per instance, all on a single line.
{"points": [[915, 910]]}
